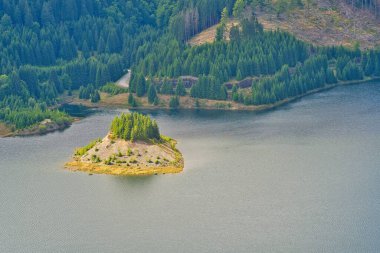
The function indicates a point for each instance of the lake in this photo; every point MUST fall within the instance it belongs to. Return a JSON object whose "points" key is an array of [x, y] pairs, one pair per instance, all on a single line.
{"points": [[302, 178]]}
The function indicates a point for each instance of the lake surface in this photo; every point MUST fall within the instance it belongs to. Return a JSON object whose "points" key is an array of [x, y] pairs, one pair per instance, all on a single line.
{"points": [[302, 178]]}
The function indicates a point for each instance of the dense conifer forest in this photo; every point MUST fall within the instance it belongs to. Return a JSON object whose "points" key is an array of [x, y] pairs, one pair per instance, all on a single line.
{"points": [[54, 47], [135, 127], [281, 65]]}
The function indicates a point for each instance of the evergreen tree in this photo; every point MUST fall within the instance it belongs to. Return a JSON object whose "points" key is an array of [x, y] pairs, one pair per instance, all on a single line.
{"points": [[219, 33], [167, 88], [238, 8], [135, 127], [234, 33], [152, 94], [47, 16], [174, 102], [131, 100], [140, 86], [221, 29], [180, 89], [95, 97]]}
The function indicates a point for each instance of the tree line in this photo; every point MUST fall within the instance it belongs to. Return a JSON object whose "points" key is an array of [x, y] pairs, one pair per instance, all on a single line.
{"points": [[281, 65], [49, 47], [53, 46], [250, 52], [135, 127]]}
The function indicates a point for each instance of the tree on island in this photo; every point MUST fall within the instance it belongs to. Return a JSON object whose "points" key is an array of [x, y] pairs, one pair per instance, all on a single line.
{"points": [[135, 127]]}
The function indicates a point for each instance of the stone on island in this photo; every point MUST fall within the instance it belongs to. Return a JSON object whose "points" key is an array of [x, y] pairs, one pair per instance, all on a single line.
{"points": [[133, 147]]}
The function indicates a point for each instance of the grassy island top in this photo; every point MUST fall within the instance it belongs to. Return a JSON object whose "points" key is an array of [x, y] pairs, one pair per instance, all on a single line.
{"points": [[135, 127], [133, 147]]}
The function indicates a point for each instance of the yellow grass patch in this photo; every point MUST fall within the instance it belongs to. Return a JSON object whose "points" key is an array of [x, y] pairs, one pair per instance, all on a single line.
{"points": [[119, 170], [208, 35], [124, 158], [4, 130]]}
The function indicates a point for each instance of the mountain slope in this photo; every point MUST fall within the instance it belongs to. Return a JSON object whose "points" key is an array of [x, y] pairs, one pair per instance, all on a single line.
{"points": [[324, 23], [327, 23]]}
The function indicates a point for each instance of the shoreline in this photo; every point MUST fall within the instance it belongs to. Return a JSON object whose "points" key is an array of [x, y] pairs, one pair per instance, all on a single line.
{"points": [[111, 102], [35, 130], [129, 158], [315, 91], [4, 130], [118, 170]]}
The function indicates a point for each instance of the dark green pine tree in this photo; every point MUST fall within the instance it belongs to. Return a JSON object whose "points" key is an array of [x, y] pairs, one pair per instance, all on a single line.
{"points": [[53, 78], [95, 97], [152, 94], [234, 33], [167, 88], [101, 48], [223, 94], [131, 100], [174, 102], [47, 16], [135, 126], [219, 33], [180, 89], [140, 86], [113, 44]]}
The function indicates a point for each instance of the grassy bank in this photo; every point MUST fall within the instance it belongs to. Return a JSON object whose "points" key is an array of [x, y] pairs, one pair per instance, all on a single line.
{"points": [[120, 170], [187, 102]]}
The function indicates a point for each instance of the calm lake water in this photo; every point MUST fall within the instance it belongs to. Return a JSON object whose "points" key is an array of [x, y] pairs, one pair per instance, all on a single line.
{"points": [[302, 178]]}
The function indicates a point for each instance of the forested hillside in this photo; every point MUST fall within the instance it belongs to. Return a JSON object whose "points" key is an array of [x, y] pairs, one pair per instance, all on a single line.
{"points": [[48, 47], [324, 22], [54, 47], [321, 22], [278, 65]]}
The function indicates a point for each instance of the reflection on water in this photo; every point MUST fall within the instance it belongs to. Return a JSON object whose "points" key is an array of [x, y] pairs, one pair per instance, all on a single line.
{"points": [[128, 182], [79, 111]]}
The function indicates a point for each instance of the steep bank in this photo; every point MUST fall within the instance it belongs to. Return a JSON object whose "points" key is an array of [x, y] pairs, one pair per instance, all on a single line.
{"points": [[326, 23], [322, 23]]}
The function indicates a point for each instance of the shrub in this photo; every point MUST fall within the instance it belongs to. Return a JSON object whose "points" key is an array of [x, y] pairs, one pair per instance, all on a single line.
{"points": [[113, 89], [82, 151]]}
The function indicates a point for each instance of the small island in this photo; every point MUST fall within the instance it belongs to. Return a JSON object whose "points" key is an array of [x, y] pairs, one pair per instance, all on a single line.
{"points": [[133, 147]]}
